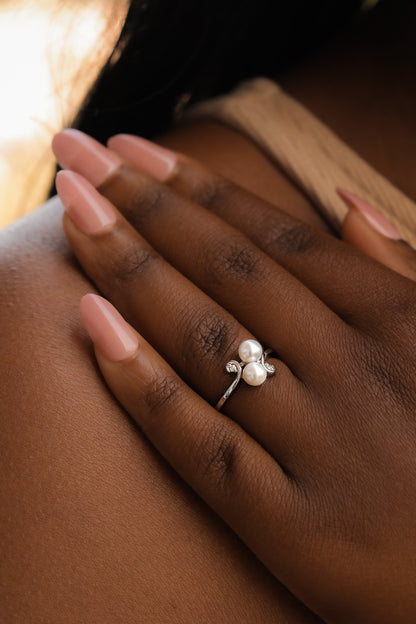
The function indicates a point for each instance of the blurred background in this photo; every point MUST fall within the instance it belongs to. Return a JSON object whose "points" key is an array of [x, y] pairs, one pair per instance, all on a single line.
{"points": [[50, 54]]}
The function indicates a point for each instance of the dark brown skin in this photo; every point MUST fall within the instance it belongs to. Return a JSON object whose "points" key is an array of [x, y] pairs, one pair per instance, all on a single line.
{"points": [[95, 522], [93, 519], [315, 471]]}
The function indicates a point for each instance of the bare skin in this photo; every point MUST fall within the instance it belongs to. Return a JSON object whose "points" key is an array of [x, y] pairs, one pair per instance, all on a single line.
{"points": [[314, 471], [95, 521], [105, 523]]}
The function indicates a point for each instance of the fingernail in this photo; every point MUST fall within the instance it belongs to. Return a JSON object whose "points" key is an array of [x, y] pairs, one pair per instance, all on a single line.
{"points": [[110, 333], [157, 161], [81, 153], [89, 210], [372, 216]]}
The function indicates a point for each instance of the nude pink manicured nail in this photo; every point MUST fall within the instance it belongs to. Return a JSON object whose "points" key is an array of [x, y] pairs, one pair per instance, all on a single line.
{"points": [[372, 216], [110, 333], [89, 210], [157, 161], [81, 153]]}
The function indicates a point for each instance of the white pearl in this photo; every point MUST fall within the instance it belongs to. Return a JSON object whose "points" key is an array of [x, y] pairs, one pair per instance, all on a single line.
{"points": [[250, 351], [254, 374]]}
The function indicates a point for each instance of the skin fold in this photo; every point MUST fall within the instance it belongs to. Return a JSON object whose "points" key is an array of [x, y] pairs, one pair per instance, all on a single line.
{"points": [[95, 522]]}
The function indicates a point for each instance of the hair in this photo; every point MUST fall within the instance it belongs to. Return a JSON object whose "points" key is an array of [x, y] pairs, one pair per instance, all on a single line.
{"points": [[172, 52]]}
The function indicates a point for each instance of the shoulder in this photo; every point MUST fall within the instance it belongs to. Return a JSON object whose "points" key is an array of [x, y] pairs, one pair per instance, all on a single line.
{"points": [[86, 501], [41, 286]]}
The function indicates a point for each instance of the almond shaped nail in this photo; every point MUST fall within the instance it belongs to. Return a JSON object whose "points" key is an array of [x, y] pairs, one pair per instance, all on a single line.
{"points": [[79, 152], [151, 158], [90, 211], [110, 333], [377, 221]]}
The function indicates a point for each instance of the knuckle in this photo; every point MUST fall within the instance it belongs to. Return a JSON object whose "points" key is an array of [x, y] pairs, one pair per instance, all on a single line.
{"points": [[161, 393], [231, 258], [145, 203], [286, 238], [210, 191], [219, 456], [133, 263], [241, 261], [210, 337]]}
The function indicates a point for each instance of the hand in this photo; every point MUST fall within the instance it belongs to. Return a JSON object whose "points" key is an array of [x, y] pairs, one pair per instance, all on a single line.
{"points": [[315, 469]]}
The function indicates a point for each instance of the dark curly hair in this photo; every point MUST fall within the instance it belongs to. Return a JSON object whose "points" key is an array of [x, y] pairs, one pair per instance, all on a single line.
{"points": [[171, 51]]}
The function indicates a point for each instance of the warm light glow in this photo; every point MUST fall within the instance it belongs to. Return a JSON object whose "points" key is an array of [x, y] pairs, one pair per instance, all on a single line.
{"points": [[28, 41], [51, 52], [369, 4]]}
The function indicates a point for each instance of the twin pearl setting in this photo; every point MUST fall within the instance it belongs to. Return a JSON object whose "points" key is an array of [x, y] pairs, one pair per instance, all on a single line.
{"points": [[252, 367]]}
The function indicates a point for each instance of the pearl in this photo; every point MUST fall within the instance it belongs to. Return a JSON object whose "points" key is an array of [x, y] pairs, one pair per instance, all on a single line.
{"points": [[250, 351], [254, 374]]}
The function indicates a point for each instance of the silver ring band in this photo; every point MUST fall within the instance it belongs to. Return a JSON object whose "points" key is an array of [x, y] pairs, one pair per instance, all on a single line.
{"points": [[252, 368]]}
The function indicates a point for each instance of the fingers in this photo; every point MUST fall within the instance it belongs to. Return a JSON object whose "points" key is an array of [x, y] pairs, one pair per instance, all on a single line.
{"points": [[329, 268], [226, 467], [192, 332], [367, 230], [223, 262], [169, 310]]}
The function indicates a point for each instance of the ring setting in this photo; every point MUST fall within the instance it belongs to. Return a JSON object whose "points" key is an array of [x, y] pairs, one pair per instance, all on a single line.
{"points": [[253, 368]]}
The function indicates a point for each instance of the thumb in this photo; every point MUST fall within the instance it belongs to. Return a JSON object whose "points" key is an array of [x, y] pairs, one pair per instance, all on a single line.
{"points": [[368, 230]]}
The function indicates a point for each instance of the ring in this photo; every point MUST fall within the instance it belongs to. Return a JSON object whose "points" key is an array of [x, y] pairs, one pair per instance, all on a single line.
{"points": [[253, 368]]}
